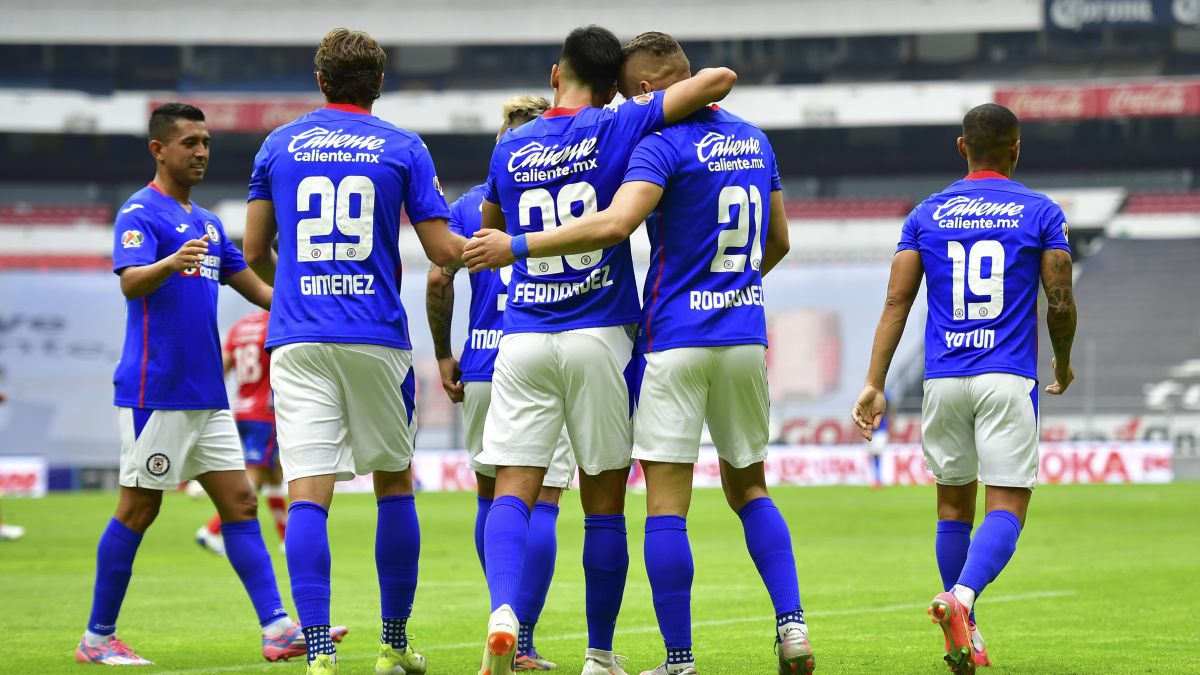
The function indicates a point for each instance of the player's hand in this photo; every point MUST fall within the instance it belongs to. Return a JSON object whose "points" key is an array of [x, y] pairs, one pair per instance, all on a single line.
{"points": [[189, 256], [868, 410], [451, 378], [488, 250], [1062, 378]]}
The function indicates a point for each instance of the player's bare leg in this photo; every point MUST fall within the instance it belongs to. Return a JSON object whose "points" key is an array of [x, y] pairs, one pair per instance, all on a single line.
{"points": [[606, 564], [770, 545], [269, 482], [669, 566], [397, 549], [505, 535]]}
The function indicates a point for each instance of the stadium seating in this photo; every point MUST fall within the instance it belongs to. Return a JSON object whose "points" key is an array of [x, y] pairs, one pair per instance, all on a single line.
{"points": [[848, 209], [55, 214], [45, 263], [1162, 203]]}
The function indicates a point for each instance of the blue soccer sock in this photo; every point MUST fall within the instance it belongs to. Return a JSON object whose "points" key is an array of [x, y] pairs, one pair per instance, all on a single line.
{"points": [[307, 544], [540, 551], [991, 549], [669, 566], [950, 547], [397, 550], [770, 545], [504, 539], [248, 554], [114, 565], [605, 566], [877, 468], [483, 505]]}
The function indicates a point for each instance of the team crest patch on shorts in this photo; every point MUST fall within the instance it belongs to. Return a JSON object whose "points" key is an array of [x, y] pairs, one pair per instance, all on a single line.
{"points": [[158, 464]]}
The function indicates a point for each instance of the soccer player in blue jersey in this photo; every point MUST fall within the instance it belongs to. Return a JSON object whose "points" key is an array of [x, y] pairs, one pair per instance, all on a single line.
{"points": [[981, 245], [331, 185], [568, 328], [469, 381], [709, 191], [175, 423]]}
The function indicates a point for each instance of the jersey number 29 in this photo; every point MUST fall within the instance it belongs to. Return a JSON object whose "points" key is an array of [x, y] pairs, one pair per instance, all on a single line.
{"points": [[361, 226]]}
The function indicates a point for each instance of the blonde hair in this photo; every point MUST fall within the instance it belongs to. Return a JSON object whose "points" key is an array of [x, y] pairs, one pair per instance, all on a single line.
{"points": [[350, 62], [520, 109]]}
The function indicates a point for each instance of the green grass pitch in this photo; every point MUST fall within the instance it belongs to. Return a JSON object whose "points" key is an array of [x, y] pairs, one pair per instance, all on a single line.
{"points": [[1104, 581]]}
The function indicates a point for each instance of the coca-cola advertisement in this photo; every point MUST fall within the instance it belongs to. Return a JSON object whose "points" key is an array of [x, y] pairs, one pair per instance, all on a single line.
{"points": [[1165, 98]]}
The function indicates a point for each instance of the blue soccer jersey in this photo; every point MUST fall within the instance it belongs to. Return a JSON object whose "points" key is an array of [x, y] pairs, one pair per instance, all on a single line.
{"points": [[489, 292], [981, 242], [704, 287], [172, 354], [547, 173], [338, 177]]}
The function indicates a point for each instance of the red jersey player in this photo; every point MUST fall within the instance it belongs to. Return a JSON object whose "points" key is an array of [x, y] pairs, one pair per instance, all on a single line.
{"points": [[245, 354]]}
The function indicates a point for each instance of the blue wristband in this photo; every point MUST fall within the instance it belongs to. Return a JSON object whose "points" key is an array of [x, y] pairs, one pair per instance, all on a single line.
{"points": [[520, 248]]}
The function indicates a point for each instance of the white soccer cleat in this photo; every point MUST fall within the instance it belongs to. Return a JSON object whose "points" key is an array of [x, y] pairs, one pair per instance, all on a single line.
{"points": [[208, 541], [501, 647], [11, 532], [600, 662], [673, 669], [795, 654]]}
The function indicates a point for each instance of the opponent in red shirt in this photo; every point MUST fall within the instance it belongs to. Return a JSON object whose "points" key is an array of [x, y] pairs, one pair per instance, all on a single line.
{"points": [[244, 353]]}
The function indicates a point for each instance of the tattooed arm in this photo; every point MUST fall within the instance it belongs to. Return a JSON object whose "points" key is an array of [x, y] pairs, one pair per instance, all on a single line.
{"points": [[1060, 314], [439, 307]]}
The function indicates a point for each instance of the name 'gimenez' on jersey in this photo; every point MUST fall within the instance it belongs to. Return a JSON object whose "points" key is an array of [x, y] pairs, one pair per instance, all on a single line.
{"points": [[981, 242], [545, 174], [337, 177], [489, 295], [704, 287]]}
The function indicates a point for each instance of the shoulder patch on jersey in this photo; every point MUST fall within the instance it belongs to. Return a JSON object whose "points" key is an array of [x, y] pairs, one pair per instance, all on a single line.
{"points": [[437, 185], [132, 239], [643, 99], [213, 235], [132, 207], [1066, 231]]}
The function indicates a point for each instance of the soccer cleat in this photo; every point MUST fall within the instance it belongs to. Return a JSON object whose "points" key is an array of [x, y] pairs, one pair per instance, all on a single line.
{"points": [[951, 615], [795, 654], [977, 645], [11, 532], [530, 659], [208, 541], [673, 669], [323, 664], [500, 651], [113, 652], [290, 643], [600, 662], [392, 662]]}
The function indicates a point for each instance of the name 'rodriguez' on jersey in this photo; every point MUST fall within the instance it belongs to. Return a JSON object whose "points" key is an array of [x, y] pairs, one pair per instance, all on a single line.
{"points": [[981, 242], [337, 178], [545, 174]]}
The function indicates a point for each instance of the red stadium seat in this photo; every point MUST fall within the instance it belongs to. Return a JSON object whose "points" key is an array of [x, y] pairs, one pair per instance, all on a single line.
{"points": [[1163, 203], [847, 208], [22, 213], [47, 263]]}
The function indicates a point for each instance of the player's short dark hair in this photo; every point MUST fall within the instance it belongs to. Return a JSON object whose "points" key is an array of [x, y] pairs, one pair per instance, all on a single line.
{"points": [[162, 120], [351, 63], [593, 56], [989, 130], [652, 43]]}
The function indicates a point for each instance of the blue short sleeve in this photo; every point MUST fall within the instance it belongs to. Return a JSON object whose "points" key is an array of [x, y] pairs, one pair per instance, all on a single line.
{"points": [[1054, 228], [423, 197], [135, 238], [232, 261], [640, 115], [776, 181], [260, 176], [456, 216], [908, 234], [652, 161]]}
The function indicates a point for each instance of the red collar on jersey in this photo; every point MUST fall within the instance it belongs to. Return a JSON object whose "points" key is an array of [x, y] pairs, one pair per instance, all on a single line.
{"points": [[157, 189], [562, 112], [346, 107], [980, 175]]}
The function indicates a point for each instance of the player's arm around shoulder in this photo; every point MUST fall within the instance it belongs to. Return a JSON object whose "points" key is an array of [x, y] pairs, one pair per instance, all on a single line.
{"points": [[1061, 315], [706, 86]]}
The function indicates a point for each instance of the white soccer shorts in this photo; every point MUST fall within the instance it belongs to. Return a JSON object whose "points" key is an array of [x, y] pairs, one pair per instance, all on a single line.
{"points": [[683, 387], [343, 409], [176, 446], [982, 426], [477, 397], [545, 380]]}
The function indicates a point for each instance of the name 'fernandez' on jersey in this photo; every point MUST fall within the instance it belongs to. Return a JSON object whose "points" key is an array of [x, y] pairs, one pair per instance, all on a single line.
{"points": [[704, 287], [981, 243], [559, 167], [337, 177]]}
